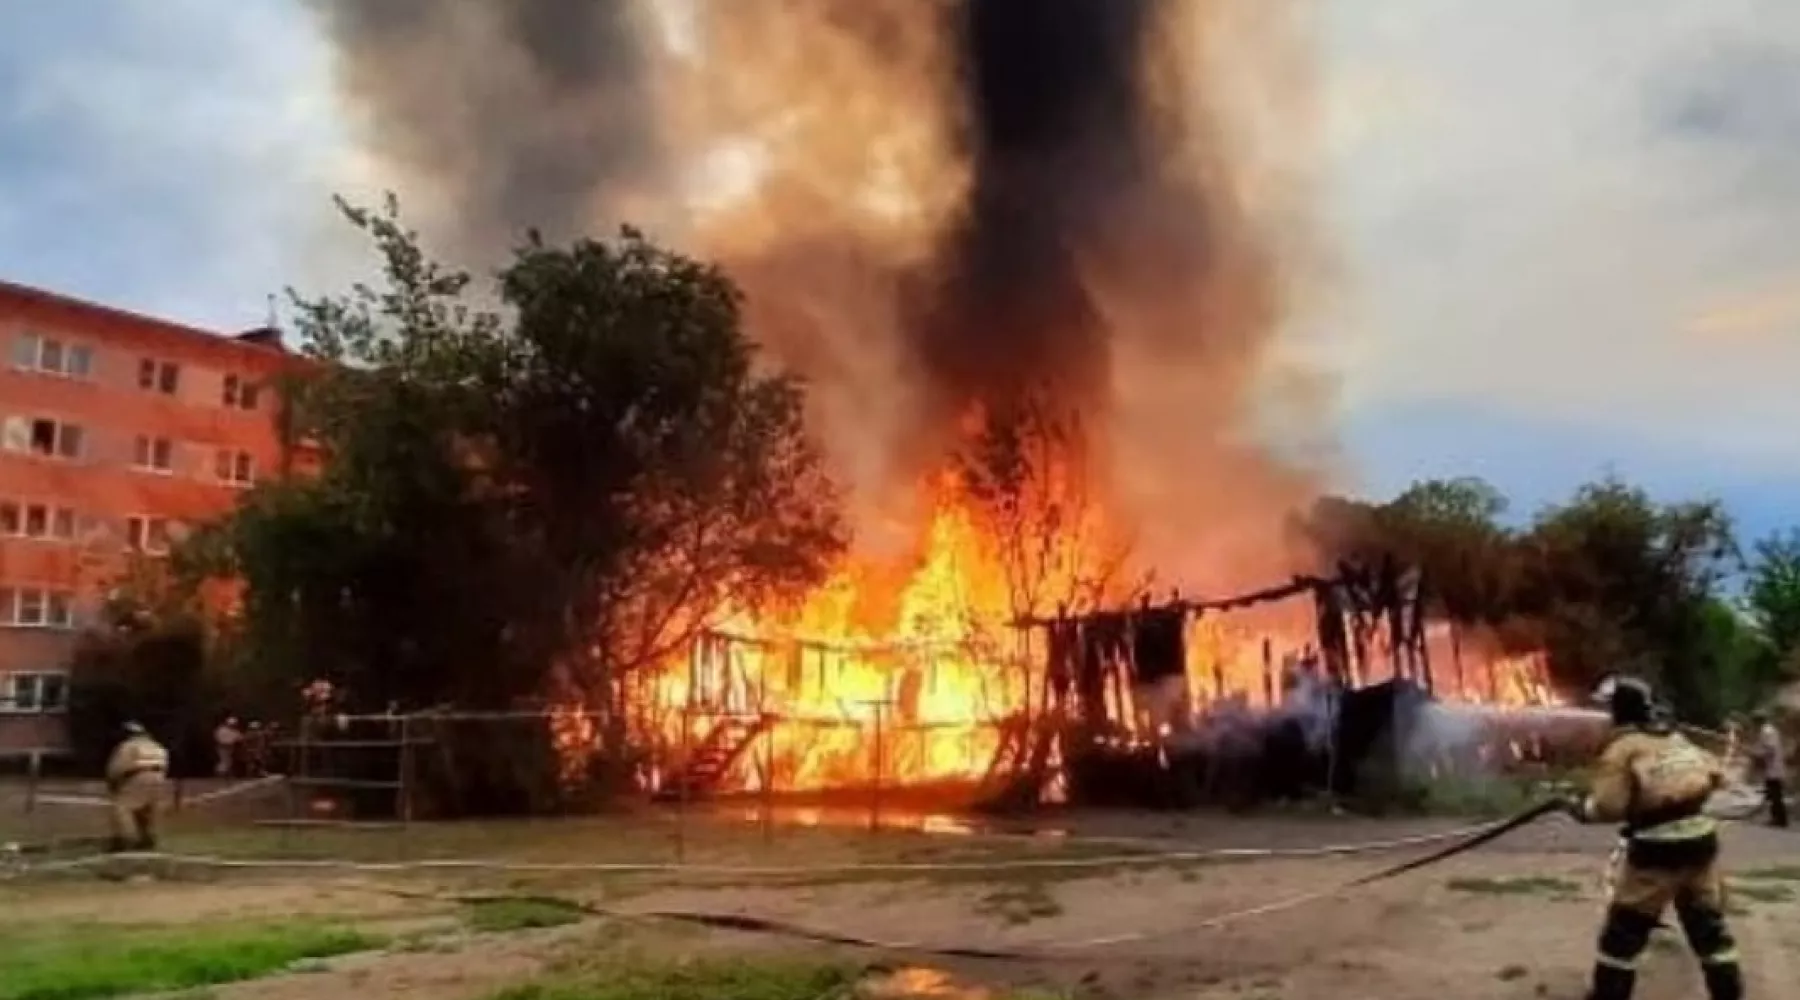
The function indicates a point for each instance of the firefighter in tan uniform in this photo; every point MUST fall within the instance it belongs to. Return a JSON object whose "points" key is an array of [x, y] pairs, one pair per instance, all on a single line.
{"points": [[1653, 781], [137, 778]]}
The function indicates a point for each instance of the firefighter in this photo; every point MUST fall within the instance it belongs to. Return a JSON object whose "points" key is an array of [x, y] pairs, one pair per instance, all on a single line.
{"points": [[1653, 781], [136, 777], [1770, 760]]}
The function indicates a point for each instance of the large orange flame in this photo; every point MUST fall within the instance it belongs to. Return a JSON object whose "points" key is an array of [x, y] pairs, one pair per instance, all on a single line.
{"points": [[903, 671]]}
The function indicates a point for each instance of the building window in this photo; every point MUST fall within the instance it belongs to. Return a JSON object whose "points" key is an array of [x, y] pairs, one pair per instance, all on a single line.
{"points": [[159, 376], [38, 691], [51, 356], [36, 520], [37, 607], [42, 436], [240, 393], [148, 535], [236, 467], [154, 454]]}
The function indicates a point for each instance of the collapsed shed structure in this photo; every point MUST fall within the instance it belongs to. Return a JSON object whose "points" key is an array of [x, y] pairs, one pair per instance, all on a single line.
{"points": [[1129, 716]]}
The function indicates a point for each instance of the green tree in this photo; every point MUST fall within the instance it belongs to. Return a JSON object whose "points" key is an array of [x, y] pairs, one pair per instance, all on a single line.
{"points": [[552, 482], [1621, 582], [1450, 530], [1772, 592]]}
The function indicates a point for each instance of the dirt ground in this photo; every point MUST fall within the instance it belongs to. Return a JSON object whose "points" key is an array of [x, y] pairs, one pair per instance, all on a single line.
{"points": [[1513, 921]]}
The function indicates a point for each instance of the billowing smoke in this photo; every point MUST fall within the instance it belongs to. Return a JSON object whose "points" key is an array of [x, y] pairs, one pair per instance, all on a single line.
{"points": [[514, 115], [1057, 130], [931, 204]]}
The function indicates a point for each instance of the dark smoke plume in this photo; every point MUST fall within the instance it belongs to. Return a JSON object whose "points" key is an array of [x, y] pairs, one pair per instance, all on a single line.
{"points": [[518, 114], [1057, 133]]}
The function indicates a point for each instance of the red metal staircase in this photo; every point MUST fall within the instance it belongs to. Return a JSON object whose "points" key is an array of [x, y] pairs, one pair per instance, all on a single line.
{"points": [[711, 760]]}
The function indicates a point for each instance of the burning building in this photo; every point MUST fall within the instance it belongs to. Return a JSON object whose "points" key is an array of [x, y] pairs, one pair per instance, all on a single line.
{"points": [[1036, 259]]}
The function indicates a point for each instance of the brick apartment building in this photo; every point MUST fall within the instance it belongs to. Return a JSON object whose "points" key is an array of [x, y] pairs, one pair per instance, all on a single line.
{"points": [[116, 430]]}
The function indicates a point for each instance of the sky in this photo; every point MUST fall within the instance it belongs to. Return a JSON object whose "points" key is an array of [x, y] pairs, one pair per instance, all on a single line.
{"points": [[1565, 236]]}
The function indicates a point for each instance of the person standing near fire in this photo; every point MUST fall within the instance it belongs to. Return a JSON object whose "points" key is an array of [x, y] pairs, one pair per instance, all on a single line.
{"points": [[228, 744], [1770, 758], [136, 778], [1653, 781]]}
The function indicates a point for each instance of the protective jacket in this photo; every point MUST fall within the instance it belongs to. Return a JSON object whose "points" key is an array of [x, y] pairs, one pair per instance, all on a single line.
{"points": [[137, 755], [1655, 782]]}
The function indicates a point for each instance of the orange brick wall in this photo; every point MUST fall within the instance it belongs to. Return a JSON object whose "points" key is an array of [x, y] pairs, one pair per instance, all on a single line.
{"points": [[102, 486]]}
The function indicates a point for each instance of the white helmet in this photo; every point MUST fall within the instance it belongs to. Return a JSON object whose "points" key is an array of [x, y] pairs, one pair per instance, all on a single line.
{"points": [[1627, 698]]}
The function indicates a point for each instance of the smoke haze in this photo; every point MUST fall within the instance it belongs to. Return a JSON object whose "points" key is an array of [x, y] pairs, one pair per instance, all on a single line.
{"points": [[942, 205]]}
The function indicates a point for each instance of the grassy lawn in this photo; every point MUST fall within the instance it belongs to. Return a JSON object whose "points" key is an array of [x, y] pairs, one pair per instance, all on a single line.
{"points": [[719, 979], [497, 916], [86, 961], [1530, 885]]}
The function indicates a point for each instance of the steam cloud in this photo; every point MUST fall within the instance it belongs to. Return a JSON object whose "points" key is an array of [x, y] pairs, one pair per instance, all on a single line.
{"points": [[949, 202]]}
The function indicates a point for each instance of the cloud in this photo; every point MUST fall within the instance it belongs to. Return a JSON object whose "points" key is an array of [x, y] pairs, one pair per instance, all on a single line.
{"points": [[1563, 190], [1754, 316], [173, 156]]}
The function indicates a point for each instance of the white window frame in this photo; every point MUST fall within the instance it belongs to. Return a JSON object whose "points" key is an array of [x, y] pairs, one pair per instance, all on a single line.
{"points": [[30, 351], [68, 440], [239, 393], [16, 600], [140, 535], [11, 704], [144, 454], [58, 522], [159, 375], [235, 467]]}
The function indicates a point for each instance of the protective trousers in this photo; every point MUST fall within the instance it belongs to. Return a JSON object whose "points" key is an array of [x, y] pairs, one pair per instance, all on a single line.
{"points": [[135, 804], [1640, 897]]}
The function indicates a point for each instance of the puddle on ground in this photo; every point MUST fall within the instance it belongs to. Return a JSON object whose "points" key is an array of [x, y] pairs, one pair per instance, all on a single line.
{"points": [[920, 984]]}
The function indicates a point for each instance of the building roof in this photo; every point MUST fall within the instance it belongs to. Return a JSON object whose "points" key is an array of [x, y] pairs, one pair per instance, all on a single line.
{"points": [[263, 340]]}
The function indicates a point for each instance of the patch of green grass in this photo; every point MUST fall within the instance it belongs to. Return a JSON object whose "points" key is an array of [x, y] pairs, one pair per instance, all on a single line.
{"points": [[1020, 904], [1530, 885], [86, 962], [1480, 798], [736, 979], [1774, 873], [518, 913], [1763, 893]]}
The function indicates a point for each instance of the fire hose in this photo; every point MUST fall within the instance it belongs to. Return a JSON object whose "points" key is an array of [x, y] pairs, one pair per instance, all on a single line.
{"points": [[1055, 952]]}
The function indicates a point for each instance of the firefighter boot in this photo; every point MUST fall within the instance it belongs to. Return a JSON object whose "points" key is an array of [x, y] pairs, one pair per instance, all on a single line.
{"points": [[1711, 939], [146, 829], [1622, 940]]}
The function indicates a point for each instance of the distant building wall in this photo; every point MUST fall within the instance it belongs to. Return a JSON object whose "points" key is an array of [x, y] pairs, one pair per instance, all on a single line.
{"points": [[116, 431]]}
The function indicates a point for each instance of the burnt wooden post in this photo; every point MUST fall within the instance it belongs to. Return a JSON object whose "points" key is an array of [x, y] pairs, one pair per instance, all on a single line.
{"points": [[1456, 662], [1424, 651], [1268, 665], [405, 789], [880, 749], [768, 796], [681, 778]]}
